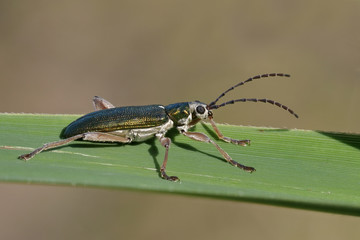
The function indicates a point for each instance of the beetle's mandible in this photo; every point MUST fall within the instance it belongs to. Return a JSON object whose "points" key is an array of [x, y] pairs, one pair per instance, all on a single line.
{"points": [[139, 123]]}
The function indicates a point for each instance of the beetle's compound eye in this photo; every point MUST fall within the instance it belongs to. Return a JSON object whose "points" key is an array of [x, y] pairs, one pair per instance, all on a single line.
{"points": [[200, 109]]}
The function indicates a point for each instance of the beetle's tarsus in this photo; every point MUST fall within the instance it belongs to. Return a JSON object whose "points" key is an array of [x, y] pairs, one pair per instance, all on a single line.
{"points": [[249, 169], [243, 143], [170, 178], [25, 157], [243, 167]]}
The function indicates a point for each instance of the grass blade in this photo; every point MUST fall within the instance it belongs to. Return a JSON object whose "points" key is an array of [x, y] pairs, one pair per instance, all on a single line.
{"points": [[295, 168]]}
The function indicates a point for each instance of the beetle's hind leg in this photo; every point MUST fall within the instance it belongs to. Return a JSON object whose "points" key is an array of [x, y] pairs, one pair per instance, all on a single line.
{"points": [[46, 146], [165, 142], [227, 139], [89, 136], [100, 103]]}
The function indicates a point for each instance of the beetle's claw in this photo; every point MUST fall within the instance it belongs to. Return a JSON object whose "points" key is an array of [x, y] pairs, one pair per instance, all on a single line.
{"points": [[249, 169], [243, 167], [237, 142], [173, 179], [170, 178], [25, 157], [243, 142]]}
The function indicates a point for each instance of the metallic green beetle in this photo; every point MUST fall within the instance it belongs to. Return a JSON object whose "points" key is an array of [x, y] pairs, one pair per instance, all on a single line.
{"points": [[139, 123]]}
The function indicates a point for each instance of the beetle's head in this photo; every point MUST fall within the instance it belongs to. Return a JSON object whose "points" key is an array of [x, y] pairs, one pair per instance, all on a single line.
{"points": [[200, 110], [213, 104]]}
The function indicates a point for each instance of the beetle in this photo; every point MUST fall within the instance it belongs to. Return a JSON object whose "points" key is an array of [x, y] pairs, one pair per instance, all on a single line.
{"points": [[139, 123]]}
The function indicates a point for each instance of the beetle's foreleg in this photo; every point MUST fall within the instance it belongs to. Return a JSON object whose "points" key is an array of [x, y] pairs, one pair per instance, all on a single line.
{"points": [[100, 103], [165, 142], [49, 146], [227, 139], [203, 138]]}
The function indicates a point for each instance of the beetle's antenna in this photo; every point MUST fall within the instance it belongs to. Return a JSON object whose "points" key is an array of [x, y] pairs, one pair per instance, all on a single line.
{"points": [[264, 100], [249, 80]]}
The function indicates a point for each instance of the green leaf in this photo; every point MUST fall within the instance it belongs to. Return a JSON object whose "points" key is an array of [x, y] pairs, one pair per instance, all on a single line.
{"points": [[295, 168]]}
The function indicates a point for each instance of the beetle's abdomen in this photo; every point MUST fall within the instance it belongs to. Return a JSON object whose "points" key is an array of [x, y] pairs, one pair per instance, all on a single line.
{"points": [[120, 118]]}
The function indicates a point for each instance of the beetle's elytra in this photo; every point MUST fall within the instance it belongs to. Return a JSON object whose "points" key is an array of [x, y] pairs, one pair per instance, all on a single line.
{"points": [[139, 123]]}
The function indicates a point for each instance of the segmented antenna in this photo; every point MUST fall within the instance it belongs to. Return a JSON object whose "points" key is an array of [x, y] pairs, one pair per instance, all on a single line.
{"points": [[249, 80], [264, 100]]}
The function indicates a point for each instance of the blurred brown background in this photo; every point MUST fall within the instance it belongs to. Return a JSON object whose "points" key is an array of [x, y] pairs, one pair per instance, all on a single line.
{"points": [[56, 55]]}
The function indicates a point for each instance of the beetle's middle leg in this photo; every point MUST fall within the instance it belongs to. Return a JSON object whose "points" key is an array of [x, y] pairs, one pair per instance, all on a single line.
{"points": [[165, 142], [227, 139], [203, 138]]}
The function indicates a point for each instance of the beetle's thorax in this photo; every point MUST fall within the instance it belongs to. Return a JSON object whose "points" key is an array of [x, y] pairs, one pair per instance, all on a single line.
{"points": [[186, 114]]}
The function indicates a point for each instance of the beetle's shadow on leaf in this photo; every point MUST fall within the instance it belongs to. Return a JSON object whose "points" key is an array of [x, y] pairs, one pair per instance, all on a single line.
{"points": [[154, 152], [189, 147], [209, 131]]}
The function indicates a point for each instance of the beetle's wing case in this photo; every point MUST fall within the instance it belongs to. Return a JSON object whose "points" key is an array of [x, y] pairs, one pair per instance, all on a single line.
{"points": [[121, 118]]}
